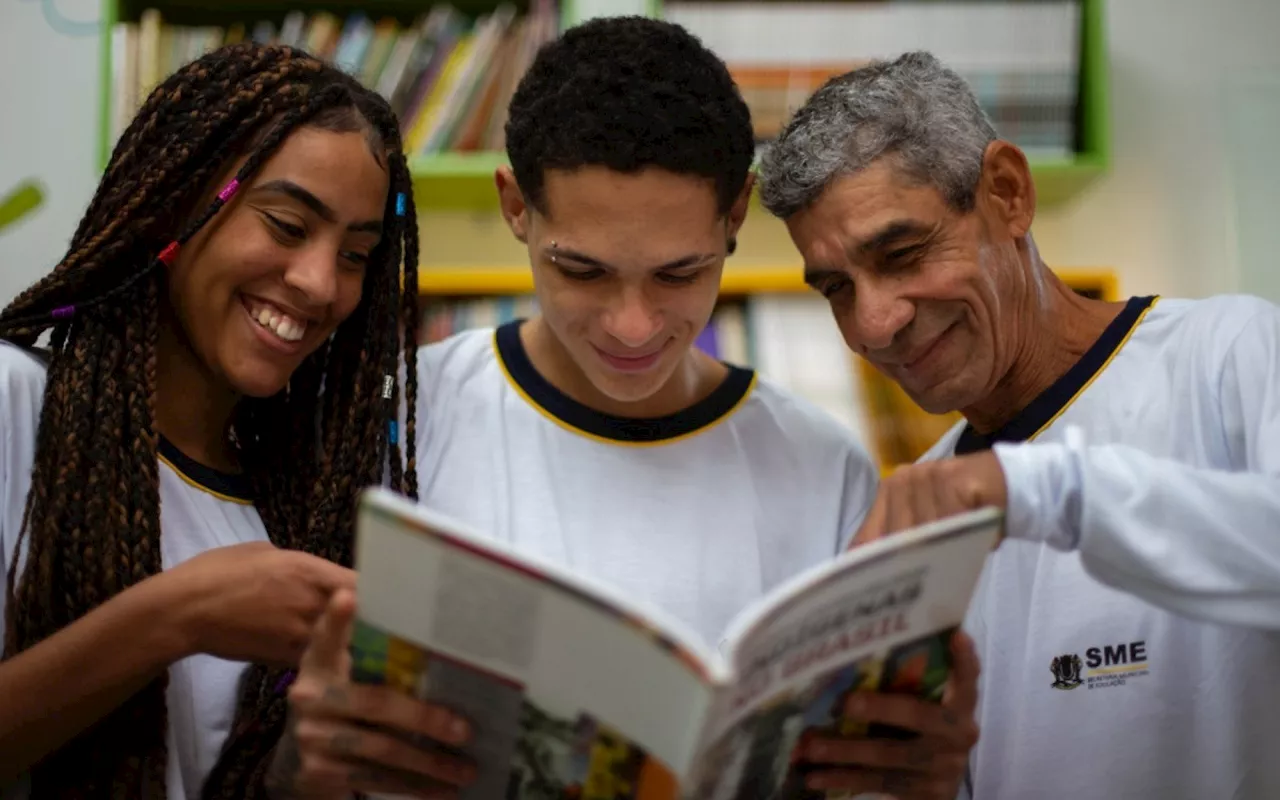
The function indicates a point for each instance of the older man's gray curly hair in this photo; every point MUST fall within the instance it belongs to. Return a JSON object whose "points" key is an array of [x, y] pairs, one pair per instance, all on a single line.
{"points": [[913, 108]]}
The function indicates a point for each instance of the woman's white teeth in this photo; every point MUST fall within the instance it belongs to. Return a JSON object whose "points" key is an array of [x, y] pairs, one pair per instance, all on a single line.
{"points": [[286, 328]]}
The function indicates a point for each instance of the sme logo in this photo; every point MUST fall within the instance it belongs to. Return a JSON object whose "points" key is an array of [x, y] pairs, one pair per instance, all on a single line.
{"points": [[1103, 667]]}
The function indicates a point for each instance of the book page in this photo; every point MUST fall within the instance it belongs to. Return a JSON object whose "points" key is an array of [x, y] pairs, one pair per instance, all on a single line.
{"points": [[878, 619], [569, 694]]}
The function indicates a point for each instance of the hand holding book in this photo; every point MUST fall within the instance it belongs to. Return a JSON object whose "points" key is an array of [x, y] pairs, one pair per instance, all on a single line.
{"points": [[346, 737], [929, 765], [575, 690]]}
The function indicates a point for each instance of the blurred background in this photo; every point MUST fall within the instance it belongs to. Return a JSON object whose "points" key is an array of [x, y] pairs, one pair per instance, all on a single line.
{"points": [[1152, 126]]}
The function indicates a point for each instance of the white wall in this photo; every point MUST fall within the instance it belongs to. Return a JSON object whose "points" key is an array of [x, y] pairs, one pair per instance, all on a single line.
{"points": [[48, 128], [1189, 207]]}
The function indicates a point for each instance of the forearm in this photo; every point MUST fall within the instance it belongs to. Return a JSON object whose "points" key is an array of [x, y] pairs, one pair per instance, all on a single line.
{"points": [[1201, 543], [58, 688]]}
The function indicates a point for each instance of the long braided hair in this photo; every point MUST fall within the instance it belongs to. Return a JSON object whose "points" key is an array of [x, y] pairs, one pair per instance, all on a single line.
{"points": [[92, 518]]}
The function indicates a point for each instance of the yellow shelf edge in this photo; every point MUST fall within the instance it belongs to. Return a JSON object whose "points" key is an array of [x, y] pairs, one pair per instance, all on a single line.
{"points": [[462, 280], [519, 280]]}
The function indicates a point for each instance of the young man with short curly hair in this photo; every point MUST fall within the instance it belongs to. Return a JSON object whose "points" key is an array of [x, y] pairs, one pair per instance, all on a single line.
{"points": [[595, 432]]}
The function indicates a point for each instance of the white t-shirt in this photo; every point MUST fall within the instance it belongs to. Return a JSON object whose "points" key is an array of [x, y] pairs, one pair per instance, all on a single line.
{"points": [[199, 509], [698, 513], [1129, 628]]}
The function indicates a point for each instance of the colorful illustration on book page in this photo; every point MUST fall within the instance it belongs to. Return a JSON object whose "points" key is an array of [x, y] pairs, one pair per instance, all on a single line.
{"points": [[576, 757], [523, 749], [754, 759]]}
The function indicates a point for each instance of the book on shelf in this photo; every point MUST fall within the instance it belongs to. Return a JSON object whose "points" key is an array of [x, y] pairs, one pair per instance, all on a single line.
{"points": [[573, 689], [449, 78], [1022, 59]]}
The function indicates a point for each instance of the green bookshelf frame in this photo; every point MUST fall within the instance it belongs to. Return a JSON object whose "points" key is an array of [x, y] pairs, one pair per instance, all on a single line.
{"points": [[464, 181]]}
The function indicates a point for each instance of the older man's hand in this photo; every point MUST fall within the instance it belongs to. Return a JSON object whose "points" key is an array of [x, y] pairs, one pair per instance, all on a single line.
{"points": [[929, 767], [918, 493]]}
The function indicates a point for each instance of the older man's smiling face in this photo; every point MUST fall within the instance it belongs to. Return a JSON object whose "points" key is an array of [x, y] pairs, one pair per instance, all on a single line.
{"points": [[916, 287]]}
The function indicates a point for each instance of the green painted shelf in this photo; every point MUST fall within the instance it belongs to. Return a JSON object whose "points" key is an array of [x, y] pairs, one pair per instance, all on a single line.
{"points": [[464, 181], [460, 181]]}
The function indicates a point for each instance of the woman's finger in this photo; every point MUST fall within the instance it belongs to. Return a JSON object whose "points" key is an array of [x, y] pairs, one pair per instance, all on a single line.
{"points": [[322, 776], [381, 707], [338, 741]]}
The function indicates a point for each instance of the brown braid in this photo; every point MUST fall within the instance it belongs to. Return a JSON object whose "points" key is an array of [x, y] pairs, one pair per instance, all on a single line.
{"points": [[92, 519]]}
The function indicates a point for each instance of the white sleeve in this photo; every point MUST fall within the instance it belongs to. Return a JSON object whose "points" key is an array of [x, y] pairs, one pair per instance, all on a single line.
{"points": [[21, 396], [1203, 543], [861, 482]]}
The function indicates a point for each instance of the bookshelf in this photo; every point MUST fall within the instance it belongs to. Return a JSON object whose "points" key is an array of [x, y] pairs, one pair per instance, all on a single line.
{"points": [[473, 258], [465, 180]]}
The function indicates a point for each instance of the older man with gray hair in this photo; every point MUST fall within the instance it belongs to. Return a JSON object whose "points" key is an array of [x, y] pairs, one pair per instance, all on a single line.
{"points": [[1129, 623]]}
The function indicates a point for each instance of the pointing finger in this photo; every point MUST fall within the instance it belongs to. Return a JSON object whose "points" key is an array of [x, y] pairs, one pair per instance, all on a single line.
{"points": [[327, 652]]}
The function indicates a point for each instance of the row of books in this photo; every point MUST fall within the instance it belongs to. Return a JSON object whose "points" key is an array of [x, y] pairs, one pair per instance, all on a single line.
{"points": [[448, 78], [1021, 58], [787, 338]]}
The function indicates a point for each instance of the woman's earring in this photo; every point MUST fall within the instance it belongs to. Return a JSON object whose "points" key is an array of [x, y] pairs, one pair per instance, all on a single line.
{"points": [[732, 244], [555, 259]]}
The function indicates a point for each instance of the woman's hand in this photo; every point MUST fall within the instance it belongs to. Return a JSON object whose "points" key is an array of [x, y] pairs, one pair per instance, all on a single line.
{"points": [[254, 601], [344, 737]]}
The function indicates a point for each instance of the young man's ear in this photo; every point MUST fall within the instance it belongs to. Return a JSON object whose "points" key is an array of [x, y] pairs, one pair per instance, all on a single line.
{"points": [[511, 200], [738, 212]]}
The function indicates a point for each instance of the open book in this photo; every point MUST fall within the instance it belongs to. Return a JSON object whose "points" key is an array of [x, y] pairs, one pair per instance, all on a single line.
{"points": [[575, 691]]}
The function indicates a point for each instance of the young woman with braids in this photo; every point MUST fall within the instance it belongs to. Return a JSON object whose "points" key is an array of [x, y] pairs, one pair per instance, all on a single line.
{"points": [[178, 467]]}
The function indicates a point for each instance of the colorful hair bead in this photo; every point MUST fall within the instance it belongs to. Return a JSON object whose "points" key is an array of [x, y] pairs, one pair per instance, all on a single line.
{"points": [[284, 682], [393, 432], [64, 312], [167, 254], [229, 190], [400, 204], [388, 384]]}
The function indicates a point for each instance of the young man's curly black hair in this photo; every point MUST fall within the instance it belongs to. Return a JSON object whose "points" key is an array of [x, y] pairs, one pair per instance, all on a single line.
{"points": [[627, 93]]}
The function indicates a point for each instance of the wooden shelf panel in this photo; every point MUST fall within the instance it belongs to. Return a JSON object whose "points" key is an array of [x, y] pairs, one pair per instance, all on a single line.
{"points": [[519, 280], [506, 280]]}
